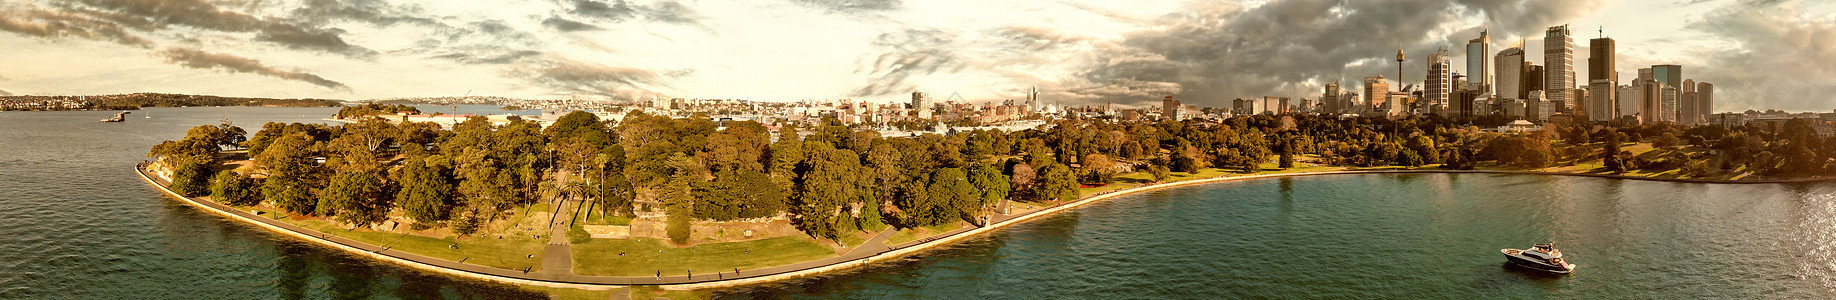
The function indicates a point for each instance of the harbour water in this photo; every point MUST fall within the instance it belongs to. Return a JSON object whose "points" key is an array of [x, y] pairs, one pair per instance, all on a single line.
{"points": [[75, 222]]}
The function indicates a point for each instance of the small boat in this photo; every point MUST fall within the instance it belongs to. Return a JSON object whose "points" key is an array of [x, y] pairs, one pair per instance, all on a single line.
{"points": [[1543, 257]]}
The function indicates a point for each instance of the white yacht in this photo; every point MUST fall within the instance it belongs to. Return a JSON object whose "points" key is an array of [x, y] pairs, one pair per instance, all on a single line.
{"points": [[1543, 257]]}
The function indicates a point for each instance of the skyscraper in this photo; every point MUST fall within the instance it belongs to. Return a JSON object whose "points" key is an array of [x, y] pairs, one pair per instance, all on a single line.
{"points": [[1376, 91], [1667, 107], [922, 104], [1511, 71], [1650, 107], [1330, 99], [1559, 56], [1705, 96], [1670, 74], [1439, 80], [1602, 80], [1687, 112], [1479, 62], [1533, 80]]}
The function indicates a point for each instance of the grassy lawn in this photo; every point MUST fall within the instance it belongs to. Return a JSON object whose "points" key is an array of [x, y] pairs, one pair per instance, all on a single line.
{"points": [[600, 256], [652, 292], [492, 252], [566, 293], [913, 234], [511, 253]]}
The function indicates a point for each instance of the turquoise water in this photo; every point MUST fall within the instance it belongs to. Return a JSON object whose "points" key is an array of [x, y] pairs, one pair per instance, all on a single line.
{"points": [[1386, 237], [75, 222]]}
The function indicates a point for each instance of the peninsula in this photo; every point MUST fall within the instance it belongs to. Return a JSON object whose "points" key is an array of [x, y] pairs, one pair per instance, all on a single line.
{"points": [[695, 202]]}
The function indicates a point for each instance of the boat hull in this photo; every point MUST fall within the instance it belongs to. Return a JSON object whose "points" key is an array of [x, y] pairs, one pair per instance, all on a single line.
{"points": [[1527, 262]]}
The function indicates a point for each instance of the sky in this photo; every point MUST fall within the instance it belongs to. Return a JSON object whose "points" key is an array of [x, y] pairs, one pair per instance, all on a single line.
{"points": [[1760, 54]]}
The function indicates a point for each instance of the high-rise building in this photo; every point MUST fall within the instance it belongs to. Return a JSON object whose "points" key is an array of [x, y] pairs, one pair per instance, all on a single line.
{"points": [[1559, 56], [922, 104], [1602, 80], [1533, 80], [1650, 107], [1687, 112], [1600, 59], [1671, 75], [1628, 100], [1376, 91], [1479, 62], [1169, 109], [1538, 108], [1705, 96], [1330, 99], [1602, 105], [1511, 71], [1439, 82], [1668, 103], [1032, 100]]}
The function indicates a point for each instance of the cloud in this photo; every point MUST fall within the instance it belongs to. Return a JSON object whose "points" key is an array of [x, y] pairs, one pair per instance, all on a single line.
{"points": [[1210, 52], [196, 59], [565, 25], [5, 93], [619, 11], [912, 52], [162, 14], [1783, 60], [570, 76], [55, 24], [852, 6]]}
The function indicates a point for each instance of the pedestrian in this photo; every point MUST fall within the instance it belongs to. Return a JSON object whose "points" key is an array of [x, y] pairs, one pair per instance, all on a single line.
{"points": [[735, 271]]}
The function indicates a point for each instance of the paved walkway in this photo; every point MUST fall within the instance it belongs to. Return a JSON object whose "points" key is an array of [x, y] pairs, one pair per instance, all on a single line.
{"points": [[558, 256]]}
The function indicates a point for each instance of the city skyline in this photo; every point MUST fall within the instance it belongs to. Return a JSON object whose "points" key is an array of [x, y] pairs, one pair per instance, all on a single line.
{"points": [[1760, 55]]}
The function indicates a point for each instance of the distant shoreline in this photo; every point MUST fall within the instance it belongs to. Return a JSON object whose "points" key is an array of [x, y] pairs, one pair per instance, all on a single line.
{"points": [[838, 263]]}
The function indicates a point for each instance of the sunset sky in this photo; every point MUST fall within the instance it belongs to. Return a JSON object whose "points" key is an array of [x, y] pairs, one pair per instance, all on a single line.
{"points": [[1760, 54]]}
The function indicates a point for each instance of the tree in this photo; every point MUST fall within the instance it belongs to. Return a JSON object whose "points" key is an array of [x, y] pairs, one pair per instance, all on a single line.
{"points": [[1024, 178], [1609, 154], [1057, 183], [425, 191], [292, 175], [190, 176], [356, 198], [232, 188], [1099, 168], [828, 181], [993, 186], [951, 196], [738, 194], [1159, 172]]}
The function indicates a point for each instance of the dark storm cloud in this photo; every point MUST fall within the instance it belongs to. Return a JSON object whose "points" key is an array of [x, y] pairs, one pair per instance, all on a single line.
{"points": [[1784, 59], [197, 59], [849, 6], [162, 14], [54, 24], [1212, 52], [302, 38]]}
